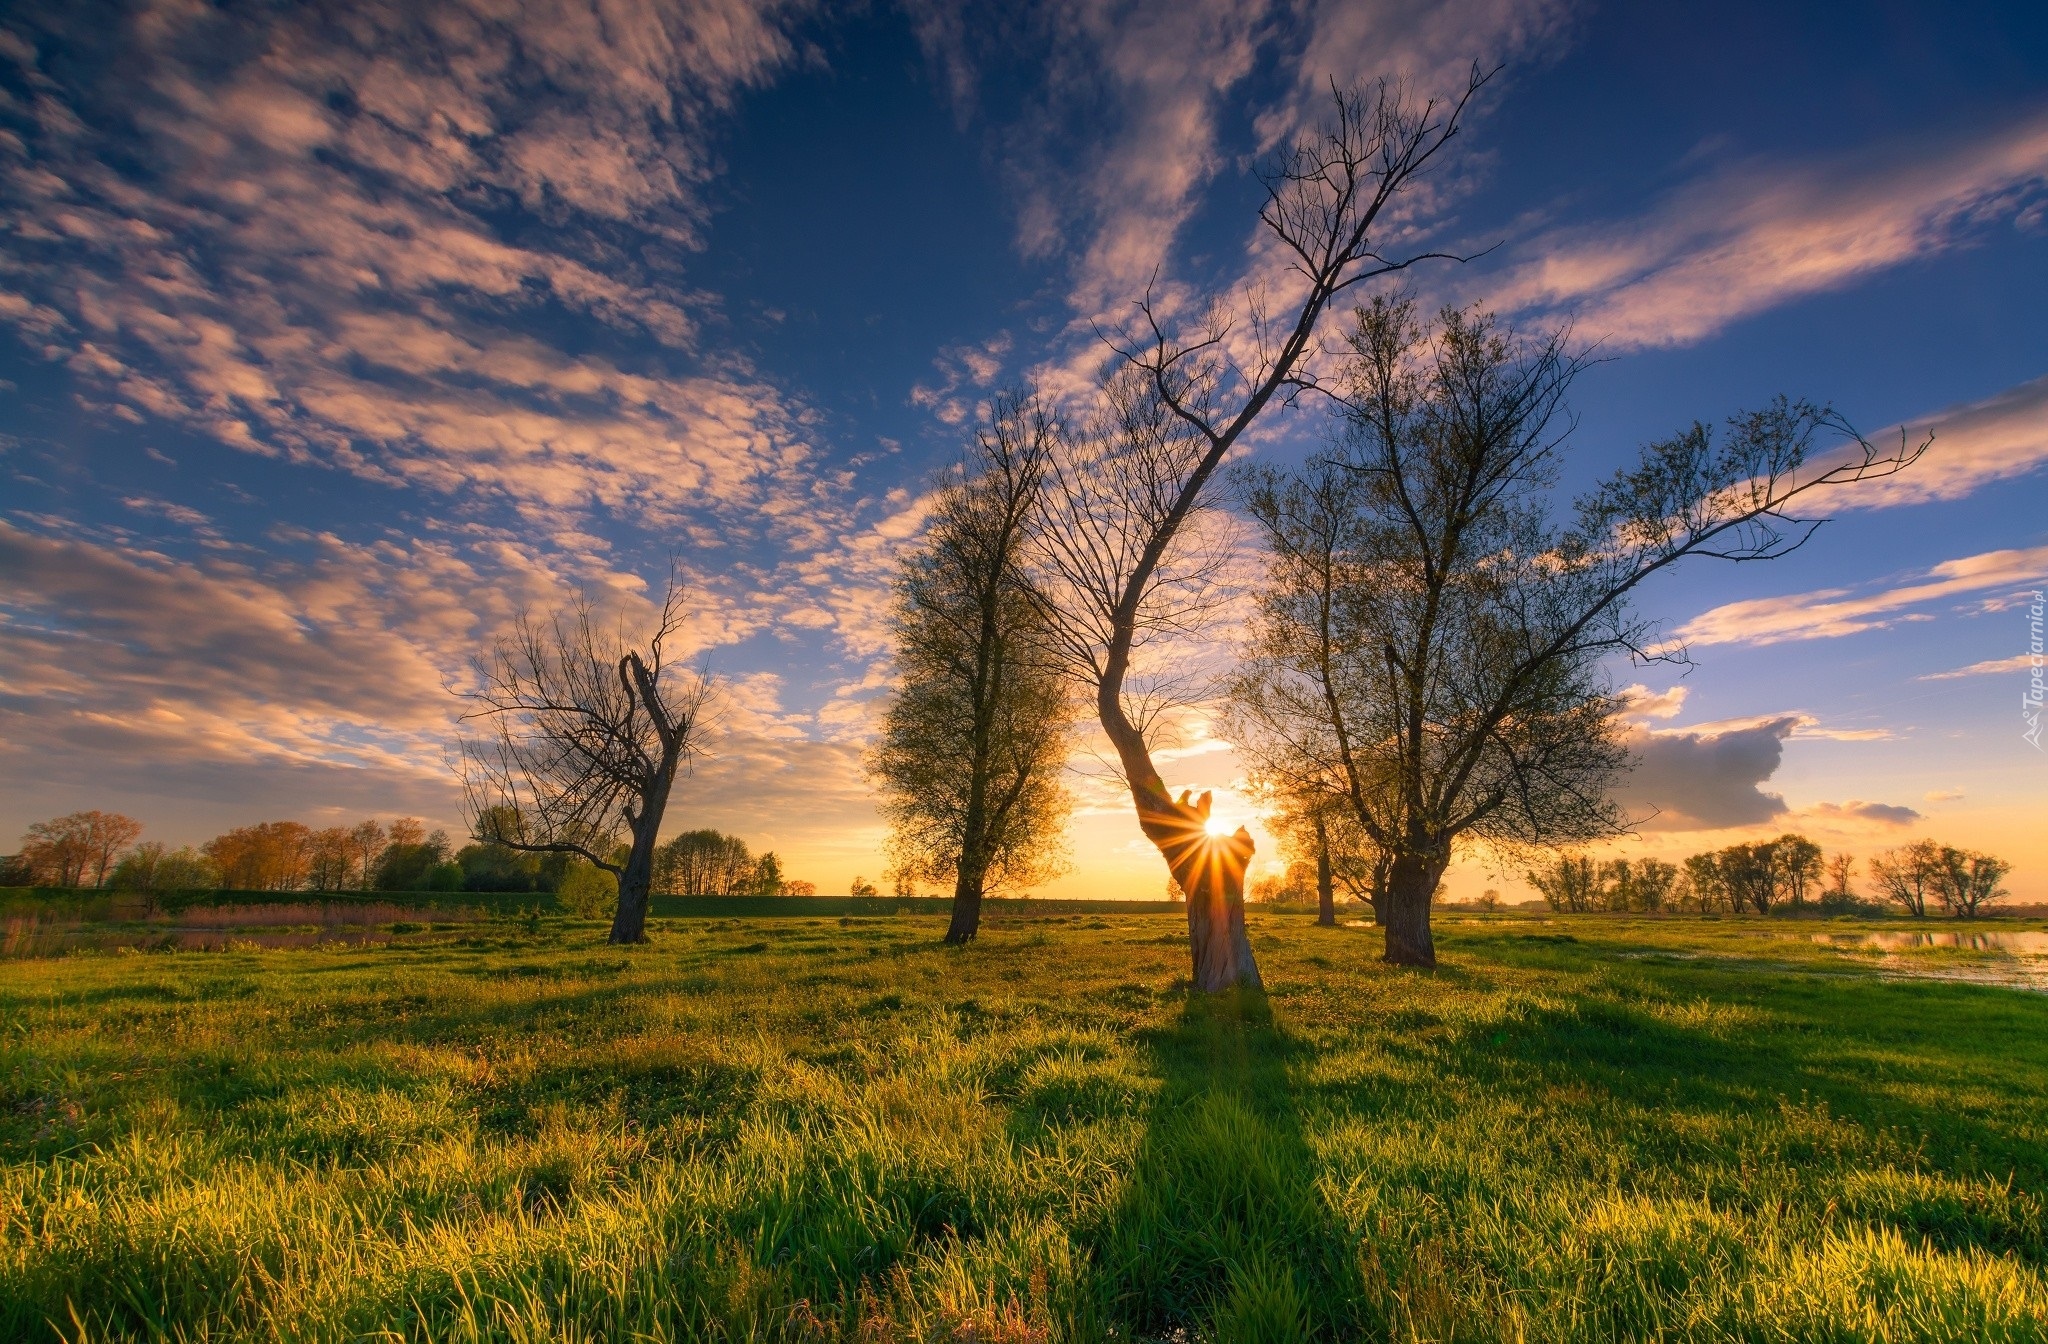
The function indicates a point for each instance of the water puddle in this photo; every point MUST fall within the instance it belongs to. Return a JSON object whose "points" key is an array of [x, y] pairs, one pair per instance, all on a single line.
{"points": [[2020, 942], [2013, 958]]}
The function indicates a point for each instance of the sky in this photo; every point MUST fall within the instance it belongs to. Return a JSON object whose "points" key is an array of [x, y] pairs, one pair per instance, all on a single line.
{"points": [[337, 335]]}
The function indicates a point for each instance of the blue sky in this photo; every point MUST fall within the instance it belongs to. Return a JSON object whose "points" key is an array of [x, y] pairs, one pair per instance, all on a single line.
{"points": [[335, 335]]}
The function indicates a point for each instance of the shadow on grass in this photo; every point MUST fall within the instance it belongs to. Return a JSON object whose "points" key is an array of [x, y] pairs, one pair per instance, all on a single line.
{"points": [[1220, 1232]]}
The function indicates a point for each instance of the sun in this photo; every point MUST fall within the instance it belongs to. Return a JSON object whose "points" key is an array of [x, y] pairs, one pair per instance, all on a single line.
{"points": [[1216, 825]]}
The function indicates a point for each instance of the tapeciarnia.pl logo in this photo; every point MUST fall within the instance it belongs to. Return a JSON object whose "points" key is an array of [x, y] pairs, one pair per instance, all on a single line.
{"points": [[2030, 703]]}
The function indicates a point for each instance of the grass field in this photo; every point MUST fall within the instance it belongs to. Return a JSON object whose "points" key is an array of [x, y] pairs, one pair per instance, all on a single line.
{"points": [[822, 1129]]}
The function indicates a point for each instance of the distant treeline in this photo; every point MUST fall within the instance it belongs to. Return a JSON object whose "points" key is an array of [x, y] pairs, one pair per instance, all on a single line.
{"points": [[105, 850], [1788, 874]]}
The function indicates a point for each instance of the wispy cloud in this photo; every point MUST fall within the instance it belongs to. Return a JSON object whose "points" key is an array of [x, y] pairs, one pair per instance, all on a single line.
{"points": [[1757, 235], [2000, 438], [1832, 612], [2021, 662]]}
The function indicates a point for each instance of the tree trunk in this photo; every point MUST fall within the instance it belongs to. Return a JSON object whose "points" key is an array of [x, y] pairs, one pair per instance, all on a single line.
{"points": [[966, 909], [629, 923], [1404, 911], [1209, 868], [1326, 890]]}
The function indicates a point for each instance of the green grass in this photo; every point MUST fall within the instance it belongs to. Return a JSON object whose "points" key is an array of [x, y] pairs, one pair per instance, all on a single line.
{"points": [[824, 1129]]}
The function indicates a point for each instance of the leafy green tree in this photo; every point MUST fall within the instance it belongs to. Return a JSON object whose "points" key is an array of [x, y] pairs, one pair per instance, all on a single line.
{"points": [[1797, 867], [406, 863], [976, 735]]}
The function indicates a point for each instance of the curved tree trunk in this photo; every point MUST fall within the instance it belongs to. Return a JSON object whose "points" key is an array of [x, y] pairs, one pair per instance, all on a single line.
{"points": [[1209, 868], [1404, 911]]}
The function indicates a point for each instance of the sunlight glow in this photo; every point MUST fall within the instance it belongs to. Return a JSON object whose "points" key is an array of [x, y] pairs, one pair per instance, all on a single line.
{"points": [[1216, 825]]}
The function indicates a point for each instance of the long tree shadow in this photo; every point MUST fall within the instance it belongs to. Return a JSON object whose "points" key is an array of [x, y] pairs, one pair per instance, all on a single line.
{"points": [[1220, 1232]]}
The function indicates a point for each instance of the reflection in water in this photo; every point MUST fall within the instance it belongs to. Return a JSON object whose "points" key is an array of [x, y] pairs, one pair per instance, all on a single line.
{"points": [[231, 928], [2019, 942], [2019, 957]]}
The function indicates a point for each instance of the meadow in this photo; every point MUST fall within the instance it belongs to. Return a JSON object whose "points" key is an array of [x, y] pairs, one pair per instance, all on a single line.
{"points": [[815, 1127]]}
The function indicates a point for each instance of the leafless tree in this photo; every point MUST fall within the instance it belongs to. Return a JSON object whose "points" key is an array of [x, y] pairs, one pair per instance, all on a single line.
{"points": [[1966, 881], [1908, 875], [582, 735], [976, 736], [1463, 695], [1117, 544]]}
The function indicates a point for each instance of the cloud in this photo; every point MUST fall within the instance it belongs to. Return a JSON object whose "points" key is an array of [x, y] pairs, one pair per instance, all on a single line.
{"points": [[1877, 814], [318, 264], [1110, 155], [1695, 780], [1832, 612], [1757, 235], [1998, 439], [1640, 702], [2021, 662], [1944, 795]]}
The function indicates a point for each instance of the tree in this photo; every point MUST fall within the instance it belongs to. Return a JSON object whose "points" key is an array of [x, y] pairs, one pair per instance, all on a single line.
{"points": [[1119, 545], [704, 863], [766, 879], [366, 841], [409, 861], [1320, 837], [862, 887], [580, 732], [269, 856], [1457, 687], [331, 858], [1796, 866], [78, 849], [138, 867], [1965, 881], [150, 867], [1569, 882], [1642, 886], [976, 735], [1841, 869], [1908, 875]]}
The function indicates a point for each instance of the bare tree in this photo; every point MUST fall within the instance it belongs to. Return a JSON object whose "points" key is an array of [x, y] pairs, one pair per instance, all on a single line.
{"points": [[1569, 882], [582, 736], [1465, 696], [1908, 875], [1117, 542], [976, 736], [1966, 881]]}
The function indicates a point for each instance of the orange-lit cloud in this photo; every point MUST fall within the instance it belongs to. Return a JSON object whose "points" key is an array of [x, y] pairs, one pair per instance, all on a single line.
{"points": [[1832, 612], [1759, 235]]}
